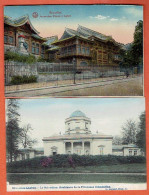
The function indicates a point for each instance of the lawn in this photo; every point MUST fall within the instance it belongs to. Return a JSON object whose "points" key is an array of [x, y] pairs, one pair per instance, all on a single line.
{"points": [[120, 168], [73, 178]]}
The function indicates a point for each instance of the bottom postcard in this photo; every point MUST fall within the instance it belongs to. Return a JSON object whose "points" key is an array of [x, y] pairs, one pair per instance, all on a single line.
{"points": [[75, 144]]}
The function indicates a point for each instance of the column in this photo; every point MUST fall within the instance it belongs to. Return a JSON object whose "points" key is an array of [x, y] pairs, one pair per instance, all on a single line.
{"points": [[91, 148], [71, 147], [83, 147], [64, 148]]}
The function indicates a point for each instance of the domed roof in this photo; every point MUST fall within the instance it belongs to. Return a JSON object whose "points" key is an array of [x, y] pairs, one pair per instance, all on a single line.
{"points": [[77, 113]]}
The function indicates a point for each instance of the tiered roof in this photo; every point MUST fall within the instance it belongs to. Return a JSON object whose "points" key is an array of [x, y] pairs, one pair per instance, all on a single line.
{"points": [[20, 22], [84, 33], [49, 41]]}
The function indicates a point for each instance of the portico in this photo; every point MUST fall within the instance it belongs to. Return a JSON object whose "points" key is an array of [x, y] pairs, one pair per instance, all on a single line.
{"points": [[78, 147]]}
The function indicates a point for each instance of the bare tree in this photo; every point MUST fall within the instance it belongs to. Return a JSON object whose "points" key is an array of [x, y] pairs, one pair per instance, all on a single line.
{"points": [[25, 137]]}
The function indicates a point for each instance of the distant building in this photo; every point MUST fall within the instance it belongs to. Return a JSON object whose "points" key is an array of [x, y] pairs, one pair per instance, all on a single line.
{"points": [[27, 153], [126, 150]]}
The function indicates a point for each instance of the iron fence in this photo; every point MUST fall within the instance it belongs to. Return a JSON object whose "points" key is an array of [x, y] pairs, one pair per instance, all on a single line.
{"points": [[63, 73]]}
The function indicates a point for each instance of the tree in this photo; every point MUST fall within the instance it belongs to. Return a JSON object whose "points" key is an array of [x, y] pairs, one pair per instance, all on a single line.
{"points": [[133, 54], [137, 46], [25, 138], [117, 140], [141, 135], [12, 128], [129, 131]]}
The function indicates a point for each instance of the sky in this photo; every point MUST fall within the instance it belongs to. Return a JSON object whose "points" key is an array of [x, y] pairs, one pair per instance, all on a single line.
{"points": [[108, 115], [118, 21]]}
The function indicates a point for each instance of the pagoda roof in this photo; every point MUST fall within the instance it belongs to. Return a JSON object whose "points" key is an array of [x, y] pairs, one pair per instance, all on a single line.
{"points": [[36, 36], [85, 33], [50, 40], [20, 22]]}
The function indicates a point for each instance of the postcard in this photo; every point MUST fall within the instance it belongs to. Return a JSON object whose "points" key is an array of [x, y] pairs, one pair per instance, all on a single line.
{"points": [[76, 144], [50, 50]]}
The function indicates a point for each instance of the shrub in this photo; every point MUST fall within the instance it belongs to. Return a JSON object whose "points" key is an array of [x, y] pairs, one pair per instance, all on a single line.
{"points": [[15, 80], [12, 56], [63, 161]]}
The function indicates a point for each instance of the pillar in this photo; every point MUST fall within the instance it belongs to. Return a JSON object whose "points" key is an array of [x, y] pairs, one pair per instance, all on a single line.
{"points": [[91, 148], [83, 147], [71, 147]]}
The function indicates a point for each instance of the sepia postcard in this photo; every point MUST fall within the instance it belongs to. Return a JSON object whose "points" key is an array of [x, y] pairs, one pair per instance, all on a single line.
{"points": [[69, 144]]}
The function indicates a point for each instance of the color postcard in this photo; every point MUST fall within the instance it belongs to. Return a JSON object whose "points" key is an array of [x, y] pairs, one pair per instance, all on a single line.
{"points": [[50, 50]]}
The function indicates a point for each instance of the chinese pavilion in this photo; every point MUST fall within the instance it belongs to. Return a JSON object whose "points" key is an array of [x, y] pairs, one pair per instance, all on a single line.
{"points": [[86, 47]]}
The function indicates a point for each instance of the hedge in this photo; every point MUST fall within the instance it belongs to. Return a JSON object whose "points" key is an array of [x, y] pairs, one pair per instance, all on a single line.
{"points": [[16, 80], [12, 56], [62, 161]]}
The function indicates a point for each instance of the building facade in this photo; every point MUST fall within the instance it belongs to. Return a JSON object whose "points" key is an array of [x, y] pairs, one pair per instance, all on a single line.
{"points": [[87, 47], [126, 150], [78, 139], [21, 37], [82, 46]]}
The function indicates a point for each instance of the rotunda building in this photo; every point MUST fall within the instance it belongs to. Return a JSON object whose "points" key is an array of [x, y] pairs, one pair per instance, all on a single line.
{"points": [[78, 138]]}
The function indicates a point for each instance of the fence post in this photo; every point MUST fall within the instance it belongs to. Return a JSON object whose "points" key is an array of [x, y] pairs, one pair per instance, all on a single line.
{"points": [[74, 71]]}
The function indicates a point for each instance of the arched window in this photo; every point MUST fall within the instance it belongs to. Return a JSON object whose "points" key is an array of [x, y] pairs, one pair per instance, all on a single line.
{"points": [[101, 149], [54, 150]]}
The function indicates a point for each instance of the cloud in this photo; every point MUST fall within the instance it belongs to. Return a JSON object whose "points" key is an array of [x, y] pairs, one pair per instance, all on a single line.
{"points": [[113, 19], [134, 11], [101, 17]]}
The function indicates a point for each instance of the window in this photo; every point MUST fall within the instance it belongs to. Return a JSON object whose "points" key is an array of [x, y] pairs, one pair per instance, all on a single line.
{"points": [[68, 126], [79, 49], [5, 38], [87, 152], [33, 48], [37, 48], [23, 156], [135, 152], [69, 49], [83, 50], [101, 150], [86, 125], [87, 51], [54, 150], [130, 152], [42, 51], [11, 40], [27, 156]]}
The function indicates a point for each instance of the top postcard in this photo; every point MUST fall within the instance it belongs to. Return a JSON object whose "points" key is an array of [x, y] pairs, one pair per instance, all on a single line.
{"points": [[73, 50]]}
